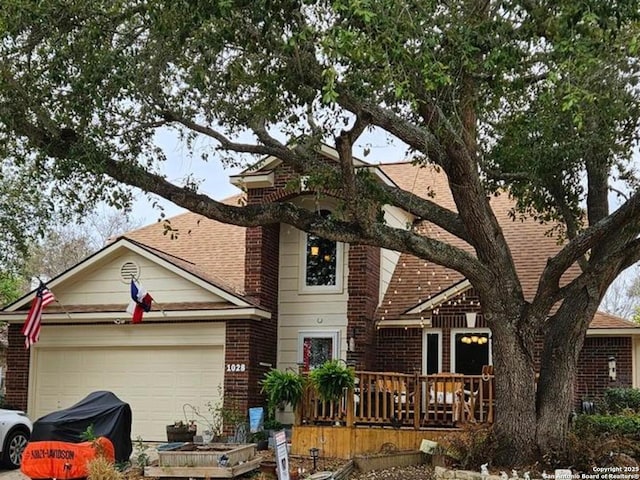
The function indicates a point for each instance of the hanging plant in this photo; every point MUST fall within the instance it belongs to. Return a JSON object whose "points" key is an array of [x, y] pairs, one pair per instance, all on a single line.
{"points": [[331, 379], [282, 387]]}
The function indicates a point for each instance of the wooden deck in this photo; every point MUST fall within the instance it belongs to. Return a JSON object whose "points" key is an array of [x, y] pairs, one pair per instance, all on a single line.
{"points": [[404, 401], [395, 409]]}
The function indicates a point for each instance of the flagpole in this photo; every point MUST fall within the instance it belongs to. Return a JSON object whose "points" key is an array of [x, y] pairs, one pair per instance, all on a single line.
{"points": [[164, 314], [64, 309]]}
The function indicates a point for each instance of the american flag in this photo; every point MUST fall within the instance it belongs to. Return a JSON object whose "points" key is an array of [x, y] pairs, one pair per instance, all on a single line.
{"points": [[31, 327]]}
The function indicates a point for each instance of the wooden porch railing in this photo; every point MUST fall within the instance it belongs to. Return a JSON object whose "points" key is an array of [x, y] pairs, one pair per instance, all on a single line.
{"points": [[402, 400]]}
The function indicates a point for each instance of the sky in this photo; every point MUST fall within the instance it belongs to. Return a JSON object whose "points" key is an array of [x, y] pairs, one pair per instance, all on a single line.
{"points": [[215, 178]]}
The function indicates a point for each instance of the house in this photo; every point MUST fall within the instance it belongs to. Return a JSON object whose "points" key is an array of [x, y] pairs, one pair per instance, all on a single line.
{"points": [[233, 302]]}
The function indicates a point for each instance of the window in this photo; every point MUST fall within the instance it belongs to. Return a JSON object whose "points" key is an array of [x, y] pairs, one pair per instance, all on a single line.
{"points": [[432, 347], [315, 348], [471, 349], [321, 263]]}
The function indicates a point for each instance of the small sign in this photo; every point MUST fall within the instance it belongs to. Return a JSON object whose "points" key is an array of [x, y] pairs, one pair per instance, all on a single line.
{"points": [[282, 455], [256, 419]]}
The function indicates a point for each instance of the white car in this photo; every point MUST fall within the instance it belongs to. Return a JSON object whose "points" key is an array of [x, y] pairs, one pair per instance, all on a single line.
{"points": [[15, 431]]}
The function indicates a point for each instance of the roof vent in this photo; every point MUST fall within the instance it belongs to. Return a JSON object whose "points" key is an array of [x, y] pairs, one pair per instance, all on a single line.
{"points": [[128, 271]]}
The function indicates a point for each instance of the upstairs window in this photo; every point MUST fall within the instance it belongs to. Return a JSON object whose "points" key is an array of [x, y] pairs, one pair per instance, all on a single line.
{"points": [[322, 262]]}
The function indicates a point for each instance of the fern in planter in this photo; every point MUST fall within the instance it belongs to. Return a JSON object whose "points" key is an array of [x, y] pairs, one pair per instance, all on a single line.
{"points": [[331, 378], [282, 387]]}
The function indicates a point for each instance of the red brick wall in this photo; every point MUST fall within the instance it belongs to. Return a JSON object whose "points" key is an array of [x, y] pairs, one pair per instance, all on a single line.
{"points": [[253, 343], [363, 287], [17, 378], [593, 365], [399, 350]]}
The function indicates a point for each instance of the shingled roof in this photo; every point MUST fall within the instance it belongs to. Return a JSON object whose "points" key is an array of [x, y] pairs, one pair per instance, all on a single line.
{"points": [[217, 251], [210, 249], [416, 280]]}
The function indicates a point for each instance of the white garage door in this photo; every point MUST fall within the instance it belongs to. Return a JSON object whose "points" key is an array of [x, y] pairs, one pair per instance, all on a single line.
{"points": [[157, 369]]}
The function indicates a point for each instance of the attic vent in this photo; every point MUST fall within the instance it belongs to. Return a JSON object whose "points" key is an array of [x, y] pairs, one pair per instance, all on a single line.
{"points": [[128, 271]]}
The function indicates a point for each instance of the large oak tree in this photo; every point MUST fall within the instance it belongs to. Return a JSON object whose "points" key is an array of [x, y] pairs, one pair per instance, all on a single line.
{"points": [[535, 96]]}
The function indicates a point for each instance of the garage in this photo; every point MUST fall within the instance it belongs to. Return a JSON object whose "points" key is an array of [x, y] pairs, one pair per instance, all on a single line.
{"points": [[156, 368]]}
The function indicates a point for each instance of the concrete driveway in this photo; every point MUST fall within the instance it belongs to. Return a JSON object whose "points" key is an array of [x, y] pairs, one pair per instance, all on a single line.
{"points": [[12, 475]]}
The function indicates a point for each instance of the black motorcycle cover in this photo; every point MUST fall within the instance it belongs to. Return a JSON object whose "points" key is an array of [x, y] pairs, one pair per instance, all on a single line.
{"points": [[108, 415]]}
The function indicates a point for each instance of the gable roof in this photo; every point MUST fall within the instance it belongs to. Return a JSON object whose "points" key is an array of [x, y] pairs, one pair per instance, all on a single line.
{"points": [[607, 321], [205, 247], [179, 267]]}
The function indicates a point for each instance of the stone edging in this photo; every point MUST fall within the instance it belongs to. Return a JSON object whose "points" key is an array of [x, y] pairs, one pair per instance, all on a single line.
{"points": [[442, 473]]}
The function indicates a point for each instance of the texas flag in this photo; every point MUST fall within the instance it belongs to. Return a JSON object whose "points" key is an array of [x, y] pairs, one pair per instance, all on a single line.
{"points": [[140, 302]]}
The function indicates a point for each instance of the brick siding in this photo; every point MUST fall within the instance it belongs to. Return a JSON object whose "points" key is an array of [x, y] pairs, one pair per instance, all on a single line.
{"points": [[593, 366], [17, 378], [363, 287]]}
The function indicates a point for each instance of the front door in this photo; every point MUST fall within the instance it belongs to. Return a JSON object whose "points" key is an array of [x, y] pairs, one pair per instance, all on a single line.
{"points": [[470, 350]]}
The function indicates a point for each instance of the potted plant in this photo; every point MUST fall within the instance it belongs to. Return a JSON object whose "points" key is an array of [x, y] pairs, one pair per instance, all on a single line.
{"points": [[281, 388], [181, 431], [331, 379]]}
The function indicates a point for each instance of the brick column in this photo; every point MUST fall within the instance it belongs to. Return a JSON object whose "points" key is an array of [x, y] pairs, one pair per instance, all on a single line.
{"points": [[17, 378], [363, 288]]}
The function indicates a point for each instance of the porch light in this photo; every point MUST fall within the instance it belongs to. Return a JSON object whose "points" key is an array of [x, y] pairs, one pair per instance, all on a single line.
{"points": [[469, 339], [315, 250], [351, 343], [612, 368], [314, 455]]}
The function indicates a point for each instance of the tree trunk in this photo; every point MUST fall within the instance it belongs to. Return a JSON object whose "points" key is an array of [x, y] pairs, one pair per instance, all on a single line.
{"points": [[558, 370], [515, 423]]}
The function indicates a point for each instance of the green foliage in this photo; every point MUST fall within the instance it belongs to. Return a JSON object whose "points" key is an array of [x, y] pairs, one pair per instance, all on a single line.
{"points": [[618, 400], [331, 379], [282, 387], [602, 440], [10, 288], [141, 458], [622, 425], [89, 435], [272, 424], [218, 416]]}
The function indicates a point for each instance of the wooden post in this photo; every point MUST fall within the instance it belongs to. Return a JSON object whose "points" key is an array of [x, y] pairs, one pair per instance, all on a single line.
{"points": [[351, 407], [297, 414], [417, 402]]}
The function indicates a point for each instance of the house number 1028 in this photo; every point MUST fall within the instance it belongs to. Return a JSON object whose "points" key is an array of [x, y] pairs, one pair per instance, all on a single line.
{"points": [[236, 367]]}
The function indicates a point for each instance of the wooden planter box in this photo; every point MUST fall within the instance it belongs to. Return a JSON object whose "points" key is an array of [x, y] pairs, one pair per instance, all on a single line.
{"points": [[179, 434], [208, 456], [204, 462]]}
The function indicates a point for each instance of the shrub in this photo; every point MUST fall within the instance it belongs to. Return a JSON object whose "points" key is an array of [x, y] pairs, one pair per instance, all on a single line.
{"points": [[587, 450], [617, 400], [470, 447], [595, 425], [101, 468]]}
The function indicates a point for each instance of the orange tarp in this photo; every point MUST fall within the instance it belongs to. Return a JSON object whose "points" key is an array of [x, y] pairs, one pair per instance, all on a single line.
{"points": [[63, 460]]}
